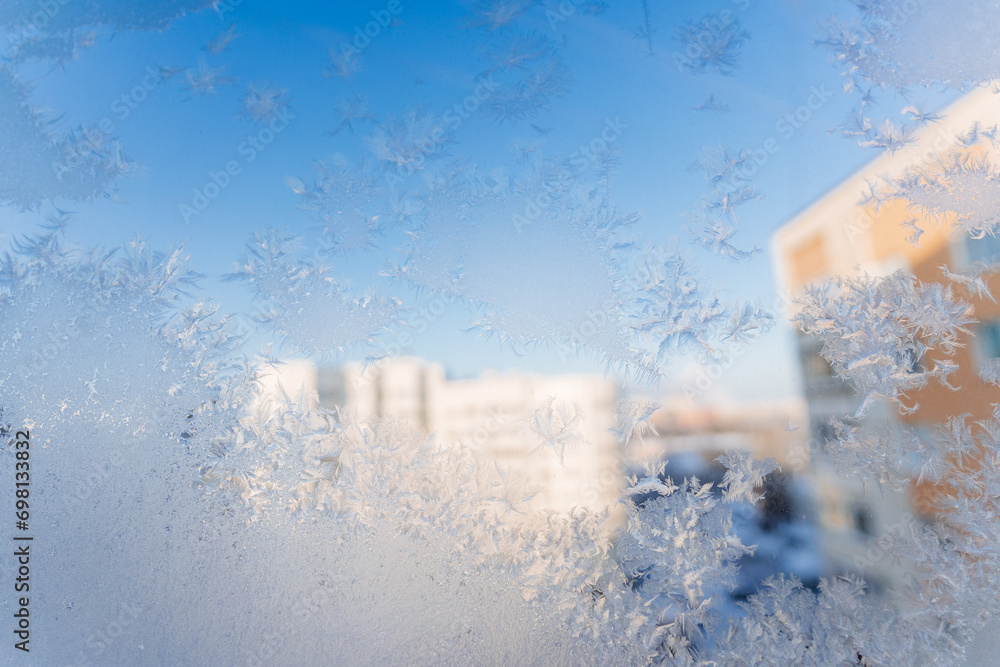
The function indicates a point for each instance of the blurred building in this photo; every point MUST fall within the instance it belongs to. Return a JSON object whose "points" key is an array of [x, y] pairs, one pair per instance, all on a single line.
{"points": [[769, 429], [494, 415], [837, 235]]}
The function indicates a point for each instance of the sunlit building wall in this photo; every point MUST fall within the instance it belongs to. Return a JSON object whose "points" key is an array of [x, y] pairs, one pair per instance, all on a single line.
{"points": [[837, 236]]}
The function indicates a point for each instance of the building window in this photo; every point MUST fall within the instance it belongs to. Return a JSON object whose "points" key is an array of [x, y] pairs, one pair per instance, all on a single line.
{"points": [[986, 249], [863, 519], [988, 337]]}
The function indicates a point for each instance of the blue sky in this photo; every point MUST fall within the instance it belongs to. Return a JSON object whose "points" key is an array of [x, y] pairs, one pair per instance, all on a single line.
{"points": [[429, 59]]}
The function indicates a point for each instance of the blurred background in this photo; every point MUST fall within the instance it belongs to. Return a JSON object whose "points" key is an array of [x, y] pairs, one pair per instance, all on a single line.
{"points": [[417, 211]]}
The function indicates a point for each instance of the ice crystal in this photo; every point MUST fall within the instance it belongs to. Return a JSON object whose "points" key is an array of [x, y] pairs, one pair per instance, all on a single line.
{"points": [[351, 111], [889, 137], [919, 116], [567, 244], [653, 482], [206, 80], [406, 144], [679, 551], [744, 476], [715, 235], [711, 104], [263, 102], [345, 62], [383, 483], [990, 371], [713, 43], [973, 278], [38, 164], [726, 175], [528, 73], [557, 425], [960, 184], [496, 14], [347, 201], [222, 41], [57, 305], [674, 310], [58, 48], [749, 322], [897, 44], [303, 304], [876, 332], [632, 421], [22, 15]]}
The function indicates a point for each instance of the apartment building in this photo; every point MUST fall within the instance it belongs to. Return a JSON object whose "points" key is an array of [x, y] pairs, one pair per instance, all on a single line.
{"points": [[840, 235]]}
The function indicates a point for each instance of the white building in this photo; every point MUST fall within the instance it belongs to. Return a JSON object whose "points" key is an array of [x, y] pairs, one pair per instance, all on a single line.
{"points": [[494, 415]]}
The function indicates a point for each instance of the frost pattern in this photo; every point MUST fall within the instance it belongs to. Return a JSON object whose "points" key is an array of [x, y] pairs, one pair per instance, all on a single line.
{"points": [[972, 278], [303, 304], [435, 556], [56, 34], [404, 536], [530, 74], [205, 81], [744, 476], [715, 226], [897, 43], [990, 372], [675, 311], [348, 202], [557, 426], [876, 332], [749, 322], [406, 143], [632, 421], [37, 164], [557, 278], [263, 102], [713, 43], [59, 308], [959, 185]]}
